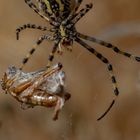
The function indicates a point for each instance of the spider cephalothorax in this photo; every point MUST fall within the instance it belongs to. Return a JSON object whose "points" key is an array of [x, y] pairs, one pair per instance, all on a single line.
{"points": [[66, 34], [63, 15]]}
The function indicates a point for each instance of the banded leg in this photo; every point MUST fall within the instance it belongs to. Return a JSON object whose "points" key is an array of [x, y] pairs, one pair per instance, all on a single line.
{"points": [[52, 54], [77, 16], [39, 41], [110, 69], [77, 5], [29, 26], [33, 6], [82, 12], [108, 45], [75, 8]]}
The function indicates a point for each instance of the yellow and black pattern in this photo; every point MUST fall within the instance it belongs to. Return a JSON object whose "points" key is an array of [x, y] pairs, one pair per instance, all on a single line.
{"points": [[55, 8], [63, 15]]}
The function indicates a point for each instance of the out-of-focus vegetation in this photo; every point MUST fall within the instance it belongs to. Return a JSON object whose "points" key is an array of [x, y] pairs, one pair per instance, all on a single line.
{"points": [[88, 81]]}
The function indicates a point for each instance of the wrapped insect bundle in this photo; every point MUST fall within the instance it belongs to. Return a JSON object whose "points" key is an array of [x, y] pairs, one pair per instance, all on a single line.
{"points": [[44, 87]]}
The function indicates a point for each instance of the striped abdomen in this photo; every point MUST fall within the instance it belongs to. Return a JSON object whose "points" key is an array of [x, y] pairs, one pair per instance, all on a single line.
{"points": [[57, 8]]}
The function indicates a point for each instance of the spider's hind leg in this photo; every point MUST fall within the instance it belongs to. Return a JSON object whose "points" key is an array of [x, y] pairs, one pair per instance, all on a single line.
{"points": [[29, 26], [109, 45], [110, 69]]}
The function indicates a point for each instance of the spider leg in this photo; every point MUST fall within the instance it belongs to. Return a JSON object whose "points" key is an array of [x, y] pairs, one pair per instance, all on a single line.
{"points": [[77, 16], [82, 13], [52, 54], [77, 5], [29, 26], [33, 6], [38, 42], [75, 8], [108, 45], [109, 67]]}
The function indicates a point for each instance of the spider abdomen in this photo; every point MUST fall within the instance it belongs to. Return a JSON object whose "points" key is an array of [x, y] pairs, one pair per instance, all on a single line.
{"points": [[55, 8]]}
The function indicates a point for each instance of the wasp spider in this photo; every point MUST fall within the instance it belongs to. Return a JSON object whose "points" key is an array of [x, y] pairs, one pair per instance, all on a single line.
{"points": [[62, 15]]}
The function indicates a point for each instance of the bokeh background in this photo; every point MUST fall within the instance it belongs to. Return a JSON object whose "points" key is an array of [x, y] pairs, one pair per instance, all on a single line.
{"points": [[88, 81]]}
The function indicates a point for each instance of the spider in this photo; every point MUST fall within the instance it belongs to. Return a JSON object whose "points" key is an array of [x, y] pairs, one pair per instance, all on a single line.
{"points": [[63, 15]]}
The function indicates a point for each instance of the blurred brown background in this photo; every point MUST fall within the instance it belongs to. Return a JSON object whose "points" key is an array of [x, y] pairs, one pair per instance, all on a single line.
{"points": [[88, 81]]}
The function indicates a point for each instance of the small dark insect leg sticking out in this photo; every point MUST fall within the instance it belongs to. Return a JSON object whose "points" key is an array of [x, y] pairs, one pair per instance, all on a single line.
{"points": [[108, 45], [39, 41], [109, 67], [29, 26]]}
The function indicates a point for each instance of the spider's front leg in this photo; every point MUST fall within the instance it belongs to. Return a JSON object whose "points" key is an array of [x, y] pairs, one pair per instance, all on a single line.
{"points": [[109, 67], [109, 45], [29, 26], [54, 50]]}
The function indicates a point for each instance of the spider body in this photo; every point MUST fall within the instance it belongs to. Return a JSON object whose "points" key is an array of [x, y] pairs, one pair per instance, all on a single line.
{"points": [[58, 12], [63, 16], [55, 8]]}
